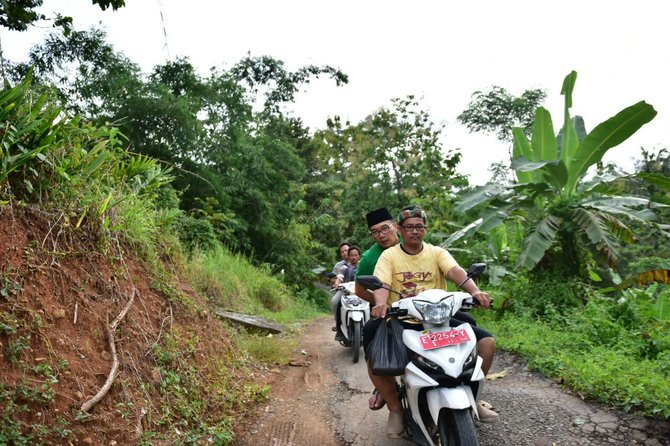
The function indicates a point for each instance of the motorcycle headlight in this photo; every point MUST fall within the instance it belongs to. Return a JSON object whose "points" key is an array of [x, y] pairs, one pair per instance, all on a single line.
{"points": [[433, 313], [426, 364], [353, 300]]}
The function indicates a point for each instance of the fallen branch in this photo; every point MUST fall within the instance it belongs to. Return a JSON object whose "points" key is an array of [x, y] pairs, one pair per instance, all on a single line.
{"points": [[88, 405]]}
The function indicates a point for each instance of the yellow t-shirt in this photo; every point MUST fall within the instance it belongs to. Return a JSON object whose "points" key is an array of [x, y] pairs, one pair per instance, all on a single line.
{"points": [[411, 274]]}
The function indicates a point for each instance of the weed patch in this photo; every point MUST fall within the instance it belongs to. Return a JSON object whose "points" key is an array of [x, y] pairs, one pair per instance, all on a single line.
{"points": [[268, 349]]}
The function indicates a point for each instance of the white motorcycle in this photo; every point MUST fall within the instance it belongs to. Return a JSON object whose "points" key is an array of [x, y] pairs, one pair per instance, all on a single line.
{"points": [[354, 313], [441, 385]]}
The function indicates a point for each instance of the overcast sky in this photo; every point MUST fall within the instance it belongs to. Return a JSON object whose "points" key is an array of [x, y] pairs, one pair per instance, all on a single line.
{"points": [[442, 51]]}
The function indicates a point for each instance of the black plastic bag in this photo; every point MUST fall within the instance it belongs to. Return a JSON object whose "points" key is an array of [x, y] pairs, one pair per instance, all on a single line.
{"points": [[388, 354]]}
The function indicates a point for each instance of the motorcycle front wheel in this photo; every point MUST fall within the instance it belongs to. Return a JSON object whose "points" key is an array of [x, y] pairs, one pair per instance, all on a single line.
{"points": [[356, 340], [456, 428]]}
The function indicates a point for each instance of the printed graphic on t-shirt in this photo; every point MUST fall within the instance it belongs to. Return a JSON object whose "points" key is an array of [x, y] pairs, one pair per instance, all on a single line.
{"points": [[411, 281]]}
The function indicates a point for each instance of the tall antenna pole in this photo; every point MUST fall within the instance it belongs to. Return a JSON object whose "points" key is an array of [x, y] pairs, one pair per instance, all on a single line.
{"points": [[2, 65], [167, 49]]}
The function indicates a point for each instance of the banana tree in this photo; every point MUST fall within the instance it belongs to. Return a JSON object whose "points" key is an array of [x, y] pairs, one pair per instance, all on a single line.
{"points": [[563, 212]]}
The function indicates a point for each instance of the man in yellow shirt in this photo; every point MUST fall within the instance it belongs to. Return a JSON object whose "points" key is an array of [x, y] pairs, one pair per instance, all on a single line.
{"points": [[409, 268]]}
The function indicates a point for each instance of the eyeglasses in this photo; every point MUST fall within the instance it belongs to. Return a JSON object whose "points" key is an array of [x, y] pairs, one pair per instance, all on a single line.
{"points": [[412, 228], [383, 230]]}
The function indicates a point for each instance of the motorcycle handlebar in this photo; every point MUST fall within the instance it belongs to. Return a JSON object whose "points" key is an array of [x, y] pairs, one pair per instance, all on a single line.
{"points": [[395, 312], [474, 303]]}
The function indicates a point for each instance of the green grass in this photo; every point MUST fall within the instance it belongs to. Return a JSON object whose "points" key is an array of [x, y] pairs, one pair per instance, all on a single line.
{"points": [[613, 373], [232, 283], [270, 349]]}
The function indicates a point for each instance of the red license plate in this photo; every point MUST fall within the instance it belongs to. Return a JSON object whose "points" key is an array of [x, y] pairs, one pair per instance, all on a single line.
{"points": [[443, 338]]}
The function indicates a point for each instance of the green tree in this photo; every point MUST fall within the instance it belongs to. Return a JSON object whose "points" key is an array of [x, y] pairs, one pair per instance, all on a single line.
{"points": [[565, 212], [499, 111], [651, 179], [392, 158], [91, 78], [17, 15], [268, 74], [655, 168]]}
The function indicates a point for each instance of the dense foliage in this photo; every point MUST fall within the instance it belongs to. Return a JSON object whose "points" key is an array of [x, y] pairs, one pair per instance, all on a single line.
{"points": [[613, 349]]}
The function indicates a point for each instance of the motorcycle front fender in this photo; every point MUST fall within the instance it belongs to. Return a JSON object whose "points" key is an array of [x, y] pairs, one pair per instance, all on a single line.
{"points": [[452, 398]]}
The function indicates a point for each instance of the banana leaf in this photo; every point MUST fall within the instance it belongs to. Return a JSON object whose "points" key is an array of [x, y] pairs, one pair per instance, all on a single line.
{"points": [[479, 195], [539, 241], [657, 179], [543, 140], [606, 135]]}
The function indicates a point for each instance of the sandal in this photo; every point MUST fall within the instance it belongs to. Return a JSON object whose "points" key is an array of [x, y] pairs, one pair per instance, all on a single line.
{"points": [[376, 401]]}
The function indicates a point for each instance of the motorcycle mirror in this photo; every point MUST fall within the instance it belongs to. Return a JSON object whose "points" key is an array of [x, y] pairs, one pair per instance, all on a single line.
{"points": [[370, 282], [476, 269]]}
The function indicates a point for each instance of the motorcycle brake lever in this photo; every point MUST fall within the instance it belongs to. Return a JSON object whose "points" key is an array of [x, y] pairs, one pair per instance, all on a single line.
{"points": [[476, 303]]}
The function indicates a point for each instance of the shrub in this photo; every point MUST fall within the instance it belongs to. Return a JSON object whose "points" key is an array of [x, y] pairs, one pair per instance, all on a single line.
{"points": [[546, 294], [196, 233]]}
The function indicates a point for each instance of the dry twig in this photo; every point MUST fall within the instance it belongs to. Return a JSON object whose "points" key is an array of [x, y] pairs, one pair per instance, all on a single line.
{"points": [[121, 315], [139, 431], [160, 332]]}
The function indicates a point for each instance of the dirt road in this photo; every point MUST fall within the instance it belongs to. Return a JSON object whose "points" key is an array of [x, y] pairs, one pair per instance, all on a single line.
{"points": [[322, 401]]}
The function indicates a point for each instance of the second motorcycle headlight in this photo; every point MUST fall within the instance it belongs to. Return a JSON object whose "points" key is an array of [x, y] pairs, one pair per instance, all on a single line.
{"points": [[426, 364], [433, 313]]}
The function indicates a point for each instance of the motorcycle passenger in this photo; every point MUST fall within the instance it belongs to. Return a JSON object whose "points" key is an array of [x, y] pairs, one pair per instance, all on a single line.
{"points": [[352, 259], [340, 267], [410, 267], [385, 234], [348, 275]]}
